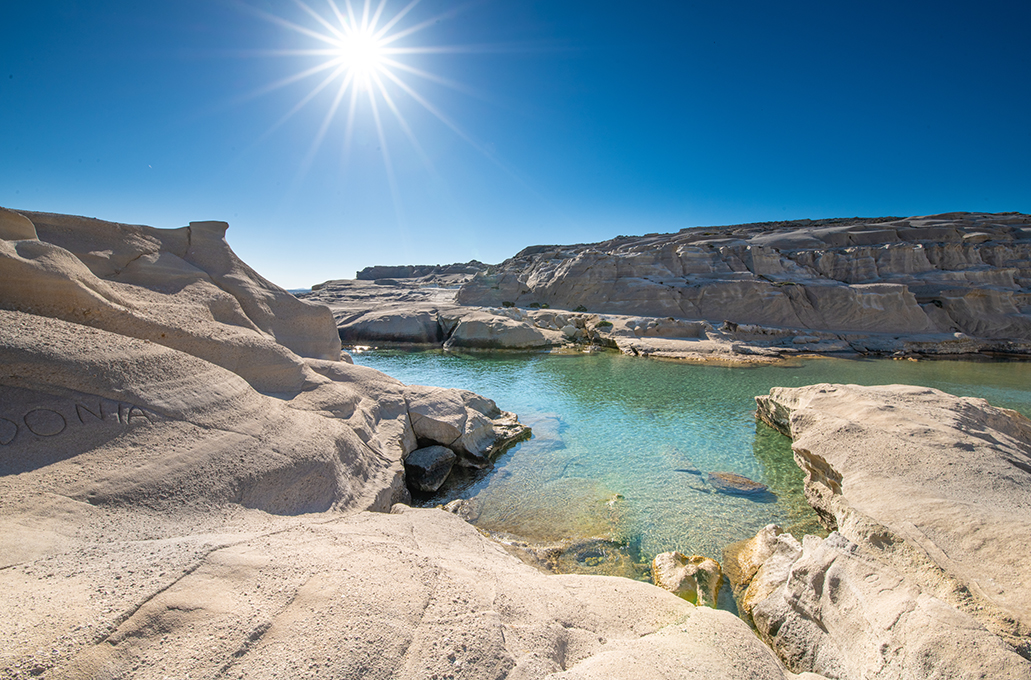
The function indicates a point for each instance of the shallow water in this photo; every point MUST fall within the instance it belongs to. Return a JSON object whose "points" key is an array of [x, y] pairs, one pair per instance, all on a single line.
{"points": [[617, 442]]}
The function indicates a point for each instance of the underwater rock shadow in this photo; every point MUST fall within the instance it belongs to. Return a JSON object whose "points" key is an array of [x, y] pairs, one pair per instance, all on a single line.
{"points": [[764, 497]]}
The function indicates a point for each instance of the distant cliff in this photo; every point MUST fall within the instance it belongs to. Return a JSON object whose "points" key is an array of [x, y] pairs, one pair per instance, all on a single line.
{"points": [[964, 273], [415, 271]]}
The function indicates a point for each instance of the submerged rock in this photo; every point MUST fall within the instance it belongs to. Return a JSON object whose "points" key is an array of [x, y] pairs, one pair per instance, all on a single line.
{"points": [[466, 508], [427, 468], [735, 484]]}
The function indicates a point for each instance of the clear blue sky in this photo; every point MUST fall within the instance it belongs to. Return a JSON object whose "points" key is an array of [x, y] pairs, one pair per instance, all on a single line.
{"points": [[567, 121]]}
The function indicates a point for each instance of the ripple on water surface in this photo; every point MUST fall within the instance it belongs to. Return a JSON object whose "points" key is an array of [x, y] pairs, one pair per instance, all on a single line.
{"points": [[621, 447]]}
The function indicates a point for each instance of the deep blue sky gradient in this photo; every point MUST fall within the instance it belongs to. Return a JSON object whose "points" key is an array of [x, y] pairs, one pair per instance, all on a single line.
{"points": [[580, 120]]}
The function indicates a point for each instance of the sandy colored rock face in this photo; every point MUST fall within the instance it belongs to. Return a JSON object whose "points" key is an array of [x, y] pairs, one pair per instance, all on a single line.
{"points": [[181, 288], [942, 284], [829, 607], [927, 494], [966, 272]]}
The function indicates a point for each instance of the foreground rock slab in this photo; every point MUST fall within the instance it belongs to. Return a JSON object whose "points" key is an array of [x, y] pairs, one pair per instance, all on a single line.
{"points": [[927, 497], [415, 594]]}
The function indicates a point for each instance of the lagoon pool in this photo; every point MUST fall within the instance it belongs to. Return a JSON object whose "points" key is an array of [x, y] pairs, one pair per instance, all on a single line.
{"points": [[615, 441]]}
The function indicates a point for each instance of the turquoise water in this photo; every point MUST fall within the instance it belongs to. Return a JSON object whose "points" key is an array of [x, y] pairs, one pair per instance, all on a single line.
{"points": [[613, 434]]}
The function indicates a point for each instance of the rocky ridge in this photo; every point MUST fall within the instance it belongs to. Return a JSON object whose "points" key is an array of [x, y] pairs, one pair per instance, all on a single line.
{"points": [[950, 283], [925, 495]]}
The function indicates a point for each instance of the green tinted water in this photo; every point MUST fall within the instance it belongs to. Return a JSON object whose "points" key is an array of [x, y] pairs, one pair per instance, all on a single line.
{"points": [[614, 435]]}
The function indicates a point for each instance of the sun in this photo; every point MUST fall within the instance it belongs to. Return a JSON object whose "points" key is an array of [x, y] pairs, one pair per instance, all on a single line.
{"points": [[362, 55], [357, 57]]}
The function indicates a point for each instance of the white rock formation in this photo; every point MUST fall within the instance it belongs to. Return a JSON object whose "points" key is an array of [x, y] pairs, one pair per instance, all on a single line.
{"points": [[942, 284], [927, 495], [958, 272]]}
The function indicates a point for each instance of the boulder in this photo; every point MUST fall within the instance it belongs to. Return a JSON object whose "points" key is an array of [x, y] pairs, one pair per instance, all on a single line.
{"points": [[697, 579], [486, 331], [392, 325], [735, 484], [468, 424], [742, 560], [427, 468]]}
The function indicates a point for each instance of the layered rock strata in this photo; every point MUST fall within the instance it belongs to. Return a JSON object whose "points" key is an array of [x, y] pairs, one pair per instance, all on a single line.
{"points": [[950, 283], [384, 272], [958, 272], [926, 496], [186, 465]]}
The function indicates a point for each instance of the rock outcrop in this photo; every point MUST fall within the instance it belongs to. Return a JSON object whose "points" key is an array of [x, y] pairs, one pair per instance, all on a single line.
{"points": [[941, 284], [186, 465], [419, 271], [697, 579], [964, 273], [926, 497]]}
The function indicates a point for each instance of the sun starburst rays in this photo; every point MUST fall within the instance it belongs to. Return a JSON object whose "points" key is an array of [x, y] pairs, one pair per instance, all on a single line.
{"points": [[363, 46]]}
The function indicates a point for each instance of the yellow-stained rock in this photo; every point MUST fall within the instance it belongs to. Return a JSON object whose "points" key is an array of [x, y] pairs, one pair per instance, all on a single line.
{"points": [[697, 579]]}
